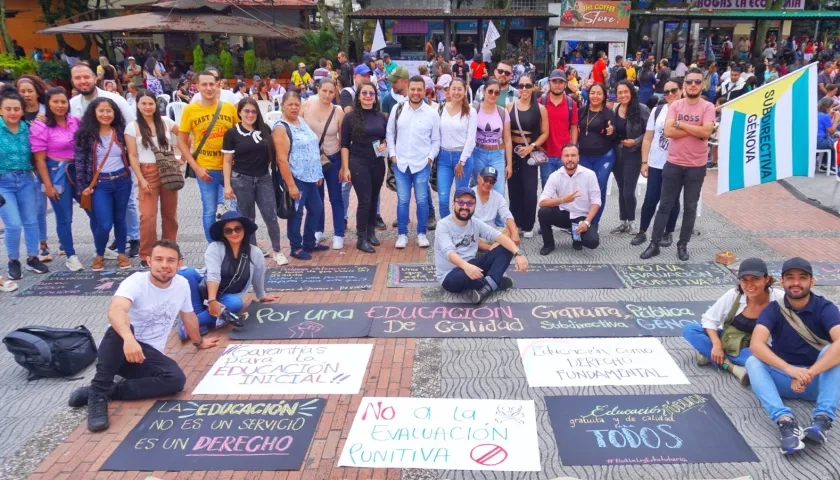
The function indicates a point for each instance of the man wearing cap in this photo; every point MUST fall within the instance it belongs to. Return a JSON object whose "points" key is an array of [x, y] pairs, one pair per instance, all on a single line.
{"points": [[802, 359], [570, 199], [460, 69], [399, 87], [389, 64], [491, 204], [456, 245], [563, 118], [347, 96], [301, 78]]}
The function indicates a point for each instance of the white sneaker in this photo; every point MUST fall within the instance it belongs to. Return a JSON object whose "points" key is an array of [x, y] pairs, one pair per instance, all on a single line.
{"points": [[529, 234], [402, 241], [280, 259], [111, 254], [73, 264], [338, 243], [422, 241], [319, 236]]}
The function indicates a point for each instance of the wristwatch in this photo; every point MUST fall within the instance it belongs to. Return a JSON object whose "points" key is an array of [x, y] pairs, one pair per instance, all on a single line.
{"points": [[198, 344], [586, 222], [677, 124], [519, 253]]}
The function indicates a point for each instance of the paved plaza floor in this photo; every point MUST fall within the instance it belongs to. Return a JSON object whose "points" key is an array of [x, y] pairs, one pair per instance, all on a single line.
{"points": [[42, 438]]}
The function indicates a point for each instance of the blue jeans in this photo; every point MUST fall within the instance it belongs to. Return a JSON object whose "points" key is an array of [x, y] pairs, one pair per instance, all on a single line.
{"points": [[110, 204], [41, 199], [490, 158], [554, 164], [310, 200], [447, 161], [132, 219], [826, 143], [63, 207], [696, 336], [232, 301], [20, 212], [770, 385], [602, 165], [210, 199], [336, 192], [405, 181]]}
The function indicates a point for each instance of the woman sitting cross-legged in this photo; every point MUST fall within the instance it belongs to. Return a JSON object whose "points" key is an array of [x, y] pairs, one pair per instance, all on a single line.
{"points": [[232, 267], [726, 328]]}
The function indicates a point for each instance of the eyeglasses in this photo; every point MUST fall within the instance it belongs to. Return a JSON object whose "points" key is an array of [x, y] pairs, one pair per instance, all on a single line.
{"points": [[492, 92], [465, 203], [367, 93], [500, 71], [696, 81], [526, 86], [671, 91], [249, 111], [490, 180], [231, 231]]}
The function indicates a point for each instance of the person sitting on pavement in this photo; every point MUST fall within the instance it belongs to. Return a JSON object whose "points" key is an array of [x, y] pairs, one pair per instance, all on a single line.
{"points": [[802, 361], [570, 199], [456, 245], [724, 332], [491, 205], [233, 266], [141, 315]]}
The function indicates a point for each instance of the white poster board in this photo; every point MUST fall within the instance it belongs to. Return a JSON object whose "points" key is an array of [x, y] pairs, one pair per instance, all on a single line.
{"points": [[443, 434], [586, 362], [287, 369]]}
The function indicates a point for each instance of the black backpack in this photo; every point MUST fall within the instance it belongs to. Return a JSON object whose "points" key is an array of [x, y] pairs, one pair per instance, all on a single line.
{"points": [[51, 352]]}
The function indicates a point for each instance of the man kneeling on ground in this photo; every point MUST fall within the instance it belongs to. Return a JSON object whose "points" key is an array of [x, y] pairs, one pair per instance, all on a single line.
{"points": [[570, 199], [802, 361], [456, 244], [490, 205], [141, 314]]}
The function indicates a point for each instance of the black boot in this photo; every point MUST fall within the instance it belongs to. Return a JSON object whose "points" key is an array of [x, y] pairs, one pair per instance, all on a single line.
{"points": [[97, 412], [371, 236], [651, 251], [362, 242], [478, 296]]}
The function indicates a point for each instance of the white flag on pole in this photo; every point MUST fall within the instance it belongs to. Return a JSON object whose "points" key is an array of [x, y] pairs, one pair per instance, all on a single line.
{"points": [[491, 37], [378, 39]]}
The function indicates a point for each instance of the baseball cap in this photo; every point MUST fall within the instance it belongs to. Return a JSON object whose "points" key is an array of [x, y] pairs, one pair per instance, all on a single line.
{"points": [[256, 78], [797, 263], [301, 65], [361, 70], [557, 74], [464, 191], [399, 73], [752, 266], [489, 171], [131, 58]]}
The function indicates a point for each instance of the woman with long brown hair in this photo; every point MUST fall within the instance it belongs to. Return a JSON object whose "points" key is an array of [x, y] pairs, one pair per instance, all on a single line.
{"points": [[458, 122], [262, 91]]}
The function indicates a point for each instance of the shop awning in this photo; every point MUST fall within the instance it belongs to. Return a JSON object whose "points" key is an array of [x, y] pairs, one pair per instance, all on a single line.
{"points": [[436, 13], [161, 22], [740, 14], [410, 26]]}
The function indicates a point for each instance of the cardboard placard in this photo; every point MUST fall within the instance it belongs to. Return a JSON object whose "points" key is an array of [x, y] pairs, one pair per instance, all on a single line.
{"points": [[78, 284], [825, 273], [190, 435], [320, 279], [539, 276], [411, 275], [443, 434], [661, 275], [585, 362], [643, 429], [287, 369]]}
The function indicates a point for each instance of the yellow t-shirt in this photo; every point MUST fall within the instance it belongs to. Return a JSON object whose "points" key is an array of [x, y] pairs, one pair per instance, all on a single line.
{"points": [[297, 79], [631, 73], [196, 118]]}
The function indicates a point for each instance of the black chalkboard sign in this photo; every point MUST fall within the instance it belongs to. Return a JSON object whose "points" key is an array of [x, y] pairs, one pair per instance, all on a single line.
{"points": [[661, 275], [644, 429], [320, 279], [539, 276], [84, 284], [825, 273], [286, 321], [190, 435]]}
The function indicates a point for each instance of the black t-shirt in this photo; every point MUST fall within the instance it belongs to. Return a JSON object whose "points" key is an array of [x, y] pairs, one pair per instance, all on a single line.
{"points": [[375, 126], [743, 323], [250, 157], [236, 272], [345, 98], [662, 77], [593, 139], [460, 71]]}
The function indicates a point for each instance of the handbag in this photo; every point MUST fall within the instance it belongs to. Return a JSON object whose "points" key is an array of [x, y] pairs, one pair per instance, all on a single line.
{"points": [[797, 324], [285, 204], [189, 173], [732, 339], [326, 163], [537, 156], [86, 200], [168, 170]]}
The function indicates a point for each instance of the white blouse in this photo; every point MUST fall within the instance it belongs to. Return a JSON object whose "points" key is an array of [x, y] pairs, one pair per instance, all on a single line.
{"points": [[457, 133]]}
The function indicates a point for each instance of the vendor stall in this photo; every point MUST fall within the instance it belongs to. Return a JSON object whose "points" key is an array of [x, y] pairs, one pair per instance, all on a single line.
{"points": [[587, 21]]}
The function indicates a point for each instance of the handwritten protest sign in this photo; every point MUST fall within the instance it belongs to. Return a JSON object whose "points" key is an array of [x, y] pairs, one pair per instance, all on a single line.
{"points": [[584, 362], [287, 321], [660, 275], [185, 435], [538, 276], [287, 369], [643, 429], [443, 434], [320, 279], [84, 284]]}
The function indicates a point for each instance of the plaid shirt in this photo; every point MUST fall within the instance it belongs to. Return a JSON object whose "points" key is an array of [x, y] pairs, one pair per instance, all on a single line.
{"points": [[510, 97]]}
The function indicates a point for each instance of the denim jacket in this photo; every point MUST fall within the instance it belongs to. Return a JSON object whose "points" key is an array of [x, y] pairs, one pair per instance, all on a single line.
{"points": [[85, 156]]}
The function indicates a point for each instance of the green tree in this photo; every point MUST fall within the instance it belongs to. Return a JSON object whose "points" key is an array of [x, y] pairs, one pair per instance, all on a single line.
{"points": [[226, 61], [198, 58], [73, 11], [4, 32], [250, 63], [319, 44], [764, 25]]}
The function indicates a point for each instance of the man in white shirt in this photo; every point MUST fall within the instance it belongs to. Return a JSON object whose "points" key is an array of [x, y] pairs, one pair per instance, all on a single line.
{"points": [[141, 316], [491, 205], [570, 199], [411, 157]]}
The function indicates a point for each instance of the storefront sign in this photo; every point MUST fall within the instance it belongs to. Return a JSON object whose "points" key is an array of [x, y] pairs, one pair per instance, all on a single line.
{"points": [[595, 14], [746, 4]]}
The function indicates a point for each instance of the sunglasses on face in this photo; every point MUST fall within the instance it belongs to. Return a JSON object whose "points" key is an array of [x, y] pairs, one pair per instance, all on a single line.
{"points": [[492, 92], [490, 180], [367, 93], [671, 91], [465, 203], [249, 111], [232, 230], [526, 86], [694, 82], [503, 72]]}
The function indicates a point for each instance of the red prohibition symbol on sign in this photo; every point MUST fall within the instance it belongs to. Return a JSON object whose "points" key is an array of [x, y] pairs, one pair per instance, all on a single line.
{"points": [[488, 454]]}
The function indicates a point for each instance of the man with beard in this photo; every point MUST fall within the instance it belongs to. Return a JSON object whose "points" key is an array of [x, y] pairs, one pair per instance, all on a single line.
{"points": [[688, 125], [141, 315], [508, 94], [399, 87], [456, 245], [570, 199], [802, 360]]}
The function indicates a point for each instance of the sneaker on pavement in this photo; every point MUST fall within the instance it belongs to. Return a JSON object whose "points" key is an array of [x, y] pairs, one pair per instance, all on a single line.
{"points": [[319, 236], [702, 359], [111, 254], [431, 223], [528, 234], [44, 254], [98, 264], [280, 259], [15, 272], [622, 227], [816, 432], [791, 436], [338, 243], [133, 248], [97, 413], [422, 241], [380, 224], [35, 265], [667, 240], [507, 283], [79, 397], [402, 241], [123, 262], [7, 286], [73, 264]]}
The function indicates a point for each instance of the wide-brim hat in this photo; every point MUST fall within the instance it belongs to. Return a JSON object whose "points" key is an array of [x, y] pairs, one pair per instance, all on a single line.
{"points": [[217, 229]]}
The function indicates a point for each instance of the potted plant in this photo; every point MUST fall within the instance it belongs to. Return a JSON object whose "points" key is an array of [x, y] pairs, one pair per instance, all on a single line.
{"points": [[15, 67], [226, 64], [198, 58], [263, 67], [250, 63], [212, 61]]}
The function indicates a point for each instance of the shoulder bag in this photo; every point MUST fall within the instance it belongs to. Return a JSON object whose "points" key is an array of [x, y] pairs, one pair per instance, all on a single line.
{"points": [[86, 200], [797, 324], [189, 171], [732, 339], [538, 156], [285, 204], [169, 171], [326, 163]]}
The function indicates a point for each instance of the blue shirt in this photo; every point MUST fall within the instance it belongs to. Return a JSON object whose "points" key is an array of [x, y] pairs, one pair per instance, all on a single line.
{"points": [[819, 315], [823, 122], [17, 154], [305, 157]]}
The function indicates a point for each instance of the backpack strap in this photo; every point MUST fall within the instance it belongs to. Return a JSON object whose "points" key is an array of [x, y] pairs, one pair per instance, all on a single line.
{"points": [[657, 112], [730, 317], [801, 329], [397, 121]]}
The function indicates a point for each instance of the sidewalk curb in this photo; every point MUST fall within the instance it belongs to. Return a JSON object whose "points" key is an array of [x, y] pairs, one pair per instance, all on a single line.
{"points": [[804, 198]]}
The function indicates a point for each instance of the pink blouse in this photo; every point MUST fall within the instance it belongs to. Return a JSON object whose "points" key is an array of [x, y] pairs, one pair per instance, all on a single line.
{"points": [[57, 141]]}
